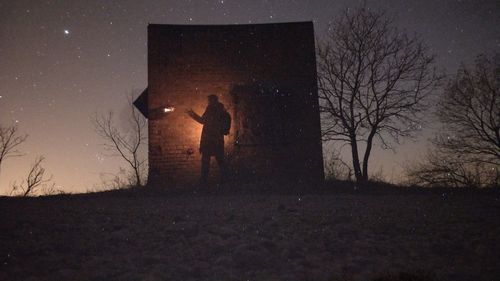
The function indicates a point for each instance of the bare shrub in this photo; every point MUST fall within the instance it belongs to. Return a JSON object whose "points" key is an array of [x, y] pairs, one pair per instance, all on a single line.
{"points": [[444, 169], [33, 181], [51, 189], [125, 143], [335, 167], [10, 139], [120, 180]]}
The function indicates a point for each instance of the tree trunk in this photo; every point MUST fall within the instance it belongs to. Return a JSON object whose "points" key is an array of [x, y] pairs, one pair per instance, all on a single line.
{"points": [[355, 160], [137, 177], [366, 157]]}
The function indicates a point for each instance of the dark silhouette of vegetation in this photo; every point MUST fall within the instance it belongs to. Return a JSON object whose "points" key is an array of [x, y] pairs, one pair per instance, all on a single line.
{"points": [[33, 181], [470, 112], [467, 151], [335, 167], [10, 139], [125, 143], [373, 83], [447, 169]]}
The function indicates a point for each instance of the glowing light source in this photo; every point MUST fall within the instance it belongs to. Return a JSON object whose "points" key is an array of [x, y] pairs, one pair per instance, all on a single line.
{"points": [[168, 109]]}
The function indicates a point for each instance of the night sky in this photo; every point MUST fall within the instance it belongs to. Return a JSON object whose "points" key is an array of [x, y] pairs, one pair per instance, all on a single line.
{"points": [[62, 61]]}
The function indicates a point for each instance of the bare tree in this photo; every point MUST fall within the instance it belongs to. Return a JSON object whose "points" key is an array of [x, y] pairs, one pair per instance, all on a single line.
{"points": [[125, 143], [373, 83], [470, 112], [33, 181], [10, 139], [467, 151]]}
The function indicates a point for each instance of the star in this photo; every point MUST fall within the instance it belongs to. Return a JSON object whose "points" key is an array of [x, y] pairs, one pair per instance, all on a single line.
{"points": [[66, 32]]}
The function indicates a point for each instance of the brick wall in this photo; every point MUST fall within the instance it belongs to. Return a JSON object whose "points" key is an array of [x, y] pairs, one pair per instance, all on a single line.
{"points": [[248, 67]]}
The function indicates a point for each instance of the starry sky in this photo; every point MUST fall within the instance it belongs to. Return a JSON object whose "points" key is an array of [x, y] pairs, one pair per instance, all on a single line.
{"points": [[62, 61]]}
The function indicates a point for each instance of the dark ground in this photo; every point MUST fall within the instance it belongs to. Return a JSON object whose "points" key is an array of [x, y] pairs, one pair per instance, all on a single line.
{"points": [[332, 234]]}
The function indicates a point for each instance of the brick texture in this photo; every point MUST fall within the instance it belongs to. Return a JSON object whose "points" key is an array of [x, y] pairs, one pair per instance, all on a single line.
{"points": [[264, 74]]}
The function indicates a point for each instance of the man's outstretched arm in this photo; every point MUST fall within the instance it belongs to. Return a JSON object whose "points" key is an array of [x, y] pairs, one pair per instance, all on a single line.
{"points": [[195, 116]]}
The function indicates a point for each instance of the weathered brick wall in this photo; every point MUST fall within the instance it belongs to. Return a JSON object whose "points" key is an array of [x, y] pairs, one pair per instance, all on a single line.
{"points": [[187, 63]]}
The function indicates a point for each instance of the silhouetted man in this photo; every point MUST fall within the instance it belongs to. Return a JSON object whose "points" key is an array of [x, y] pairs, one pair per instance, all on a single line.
{"points": [[212, 136]]}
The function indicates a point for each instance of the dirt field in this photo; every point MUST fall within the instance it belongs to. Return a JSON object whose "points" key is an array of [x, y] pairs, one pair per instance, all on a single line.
{"points": [[334, 235]]}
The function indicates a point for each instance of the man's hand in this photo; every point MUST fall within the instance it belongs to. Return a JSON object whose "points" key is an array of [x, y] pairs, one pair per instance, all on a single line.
{"points": [[190, 112]]}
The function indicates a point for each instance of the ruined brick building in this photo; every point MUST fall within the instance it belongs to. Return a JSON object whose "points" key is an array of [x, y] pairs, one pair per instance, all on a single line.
{"points": [[264, 74]]}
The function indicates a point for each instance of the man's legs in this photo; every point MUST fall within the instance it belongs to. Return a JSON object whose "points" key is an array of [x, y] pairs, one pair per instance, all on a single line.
{"points": [[222, 165], [205, 166]]}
